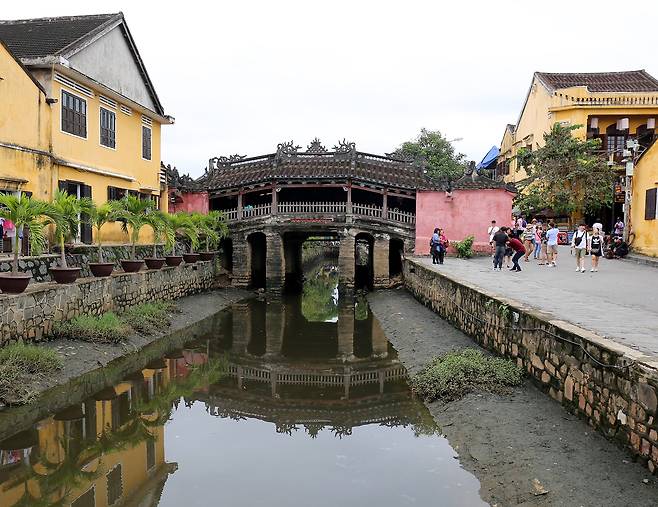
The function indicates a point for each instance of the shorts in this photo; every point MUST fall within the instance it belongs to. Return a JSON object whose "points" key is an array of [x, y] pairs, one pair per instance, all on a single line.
{"points": [[551, 248], [580, 252], [597, 253]]}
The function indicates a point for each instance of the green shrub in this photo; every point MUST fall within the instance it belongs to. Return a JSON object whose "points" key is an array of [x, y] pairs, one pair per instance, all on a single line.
{"points": [[452, 375], [149, 317], [465, 247], [108, 328], [20, 363]]}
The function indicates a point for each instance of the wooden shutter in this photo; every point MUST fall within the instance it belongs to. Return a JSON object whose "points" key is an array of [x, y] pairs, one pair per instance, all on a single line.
{"points": [[650, 204], [85, 226]]}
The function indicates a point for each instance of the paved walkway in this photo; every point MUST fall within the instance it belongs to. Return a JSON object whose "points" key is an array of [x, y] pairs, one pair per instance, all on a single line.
{"points": [[619, 302]]}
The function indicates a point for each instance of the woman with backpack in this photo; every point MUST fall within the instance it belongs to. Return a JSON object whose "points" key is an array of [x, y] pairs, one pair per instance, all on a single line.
{"points": [[579, 244]]}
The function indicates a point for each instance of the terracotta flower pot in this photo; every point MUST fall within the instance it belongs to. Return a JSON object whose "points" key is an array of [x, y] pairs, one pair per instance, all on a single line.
{"points": [[154, 263], [14, 284], [101, 269], [132, 265], [191, 258], [207, 256], [64, 275], [173, 260]]}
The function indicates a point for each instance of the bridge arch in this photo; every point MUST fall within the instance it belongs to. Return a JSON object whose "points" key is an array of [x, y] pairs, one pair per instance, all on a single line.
{"points": [[364, 261], [395, 257], [257, 245]]}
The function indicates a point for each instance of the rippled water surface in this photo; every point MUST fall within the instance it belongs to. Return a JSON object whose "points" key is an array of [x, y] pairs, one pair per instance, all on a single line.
{"points": [[295, 402]]}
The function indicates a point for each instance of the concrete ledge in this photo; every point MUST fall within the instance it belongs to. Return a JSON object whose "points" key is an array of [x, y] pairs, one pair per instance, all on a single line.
{"points": [[613, 386], [31, 316]]}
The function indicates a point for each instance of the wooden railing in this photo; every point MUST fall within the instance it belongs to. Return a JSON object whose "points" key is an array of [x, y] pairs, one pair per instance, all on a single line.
{"points": [[367, 210], [327, 208], [311, 207]]}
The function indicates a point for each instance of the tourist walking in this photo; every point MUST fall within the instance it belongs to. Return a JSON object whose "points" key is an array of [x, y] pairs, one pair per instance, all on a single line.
{"points": [[519, 251], [434, 246], [500, 239], [543, 246], [579, 244], [551, 244], [529, 239], [596, 248], [537, 241]]}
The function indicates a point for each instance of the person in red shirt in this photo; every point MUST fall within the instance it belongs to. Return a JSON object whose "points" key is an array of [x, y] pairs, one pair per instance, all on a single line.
{"points": [[519, 251]]}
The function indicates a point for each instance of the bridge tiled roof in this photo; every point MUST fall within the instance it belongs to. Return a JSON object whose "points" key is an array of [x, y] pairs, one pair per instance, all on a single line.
{"points": [[316, 164]]}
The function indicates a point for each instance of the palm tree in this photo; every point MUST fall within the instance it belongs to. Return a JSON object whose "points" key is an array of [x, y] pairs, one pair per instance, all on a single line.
{"points": [[65, 211], [181, 224], [212, 227], [158, 221], [29, 213], [132, 211], [99, 216]]}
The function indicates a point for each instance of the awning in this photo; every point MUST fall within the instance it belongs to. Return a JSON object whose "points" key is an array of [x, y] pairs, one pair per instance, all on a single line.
{"points": [[489, 159]]}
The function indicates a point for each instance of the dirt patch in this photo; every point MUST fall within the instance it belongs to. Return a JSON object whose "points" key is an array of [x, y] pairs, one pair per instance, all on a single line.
{"points": [[509, 441]]}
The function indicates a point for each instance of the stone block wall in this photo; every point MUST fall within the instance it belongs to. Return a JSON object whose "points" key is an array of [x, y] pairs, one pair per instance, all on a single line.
{"points": [[31, 316], [612, 386]]}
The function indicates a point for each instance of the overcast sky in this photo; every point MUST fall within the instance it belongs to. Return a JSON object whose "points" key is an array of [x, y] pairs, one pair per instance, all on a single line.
{"points": [[241, 76]]}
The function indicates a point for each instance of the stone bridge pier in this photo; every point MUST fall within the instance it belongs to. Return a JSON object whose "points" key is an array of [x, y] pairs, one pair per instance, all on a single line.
{"points": [[271, 258]]}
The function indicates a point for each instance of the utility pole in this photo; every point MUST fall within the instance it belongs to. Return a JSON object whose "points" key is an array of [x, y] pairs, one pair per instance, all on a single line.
{"points": [[632, 147]]}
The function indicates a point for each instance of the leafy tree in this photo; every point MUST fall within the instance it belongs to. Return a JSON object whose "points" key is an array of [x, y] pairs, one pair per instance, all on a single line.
{"points": [[28, 213], [159, 222], [181, 224], [432, 147], [567, 174]]}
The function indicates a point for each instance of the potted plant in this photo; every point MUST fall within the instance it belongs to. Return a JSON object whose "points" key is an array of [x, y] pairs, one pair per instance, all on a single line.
{"points": [[65, 211], [158, 222], [29, 213], [214, 228], [177, 223], [191, 233], [99, 216], [132, 212]]}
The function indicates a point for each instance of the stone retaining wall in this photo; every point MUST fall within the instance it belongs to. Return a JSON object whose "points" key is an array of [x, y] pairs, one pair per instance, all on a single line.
{"points": [[612, 386], [79, 256], [31, 316]]}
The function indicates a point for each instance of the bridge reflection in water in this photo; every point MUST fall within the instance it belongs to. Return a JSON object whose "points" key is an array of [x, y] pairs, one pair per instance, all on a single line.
{"points": [[315, 372]]}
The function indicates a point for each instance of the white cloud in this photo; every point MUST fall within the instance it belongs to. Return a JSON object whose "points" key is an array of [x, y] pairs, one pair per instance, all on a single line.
{"points": [[242, 76]]}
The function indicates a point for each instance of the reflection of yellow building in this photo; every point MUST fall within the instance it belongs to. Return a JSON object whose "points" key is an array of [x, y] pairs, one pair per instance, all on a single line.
{"points": [[79, 112], [102, 452], [644, 218], [612, 106]]}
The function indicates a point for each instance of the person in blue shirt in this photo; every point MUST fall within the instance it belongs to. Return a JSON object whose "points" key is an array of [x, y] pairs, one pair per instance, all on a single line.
{"points": [[551, 244], [435, 243]]}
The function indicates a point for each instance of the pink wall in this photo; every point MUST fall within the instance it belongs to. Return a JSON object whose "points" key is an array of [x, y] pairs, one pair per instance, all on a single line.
{"points": [[466, 212], [191, 201]]}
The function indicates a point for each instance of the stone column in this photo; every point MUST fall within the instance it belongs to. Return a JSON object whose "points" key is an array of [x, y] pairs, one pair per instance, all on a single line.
{"points": [[346, 261], [349, 199], [239, 205], [385, 205], [241, 261], [346, 331], [380, 261], [275, 319], [241, 328], [275, 265], [379, 341], [275, 200]]}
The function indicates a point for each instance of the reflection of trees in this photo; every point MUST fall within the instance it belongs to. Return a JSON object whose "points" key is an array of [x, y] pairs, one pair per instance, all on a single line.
{"points": [[360, 307], [319, 303]]}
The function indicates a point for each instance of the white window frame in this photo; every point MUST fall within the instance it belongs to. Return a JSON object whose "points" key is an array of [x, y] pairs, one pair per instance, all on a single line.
{"points": [[100, 128], [61, 107]]}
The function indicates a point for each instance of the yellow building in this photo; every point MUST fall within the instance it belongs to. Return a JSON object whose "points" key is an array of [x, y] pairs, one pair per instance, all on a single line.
{"points": [[611, 106], [78, 112], [644, 217]]}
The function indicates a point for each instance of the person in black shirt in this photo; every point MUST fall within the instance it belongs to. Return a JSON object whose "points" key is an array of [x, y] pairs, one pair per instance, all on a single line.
{"points": [[595, 248], [500, 239]]}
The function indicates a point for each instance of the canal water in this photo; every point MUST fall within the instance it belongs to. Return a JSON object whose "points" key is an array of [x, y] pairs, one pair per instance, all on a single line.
{"points": [[295, 402]]}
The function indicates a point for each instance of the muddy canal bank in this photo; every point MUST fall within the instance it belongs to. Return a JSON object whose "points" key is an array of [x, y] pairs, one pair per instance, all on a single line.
{"points": [[508, 441]]}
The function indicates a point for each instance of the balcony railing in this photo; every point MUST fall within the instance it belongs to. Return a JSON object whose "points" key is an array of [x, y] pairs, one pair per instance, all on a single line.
{"points": [[321, 208]]}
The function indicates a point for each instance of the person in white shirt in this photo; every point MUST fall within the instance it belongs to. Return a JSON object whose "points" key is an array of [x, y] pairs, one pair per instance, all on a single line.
{"points": [[580, 244], [493, 229], [551, 244]]}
